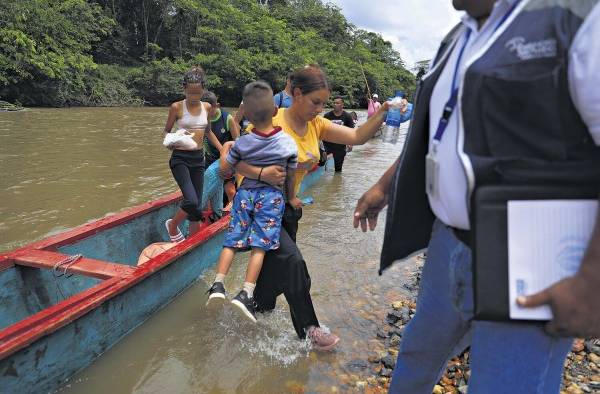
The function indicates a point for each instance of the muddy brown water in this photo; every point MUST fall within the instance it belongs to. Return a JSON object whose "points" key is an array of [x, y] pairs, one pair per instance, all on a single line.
{"points": [[63, 167]]}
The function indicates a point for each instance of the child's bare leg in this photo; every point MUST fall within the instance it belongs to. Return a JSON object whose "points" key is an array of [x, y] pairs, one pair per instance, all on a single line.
{"points": [[217, 290], [257, 255], [225, 260], [229, 190]]}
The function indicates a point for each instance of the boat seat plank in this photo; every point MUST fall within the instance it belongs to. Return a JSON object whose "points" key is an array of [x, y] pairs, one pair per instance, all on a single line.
{"points": [[85, 266]]}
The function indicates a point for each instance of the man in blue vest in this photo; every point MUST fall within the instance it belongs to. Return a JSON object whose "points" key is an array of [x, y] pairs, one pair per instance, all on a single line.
{"points": [[512, 92]]}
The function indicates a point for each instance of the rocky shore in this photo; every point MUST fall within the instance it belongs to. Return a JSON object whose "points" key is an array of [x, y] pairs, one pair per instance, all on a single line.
{"points": [[581, 374]]}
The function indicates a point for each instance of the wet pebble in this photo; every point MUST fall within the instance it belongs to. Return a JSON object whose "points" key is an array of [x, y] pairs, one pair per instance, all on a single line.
{"points": [[578, 345], [374, 359], [395, 315], [385, 372], [389, 362], [357, 365], [381, 333]]}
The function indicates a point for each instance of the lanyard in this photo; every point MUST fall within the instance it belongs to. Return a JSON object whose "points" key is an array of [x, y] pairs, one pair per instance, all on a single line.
{"points": [[452, 101]]}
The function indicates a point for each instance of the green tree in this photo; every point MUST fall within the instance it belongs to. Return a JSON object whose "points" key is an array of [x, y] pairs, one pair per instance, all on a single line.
{"points": [[76, 52]]}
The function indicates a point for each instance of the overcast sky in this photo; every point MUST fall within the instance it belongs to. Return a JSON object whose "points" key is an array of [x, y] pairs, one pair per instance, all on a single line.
{"points": [[414, 27]]}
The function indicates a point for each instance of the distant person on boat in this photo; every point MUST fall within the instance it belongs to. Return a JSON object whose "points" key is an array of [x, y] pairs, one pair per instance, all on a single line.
{"points": [[373, 105], [341, 117], [225, 128], [284, 270], [258, 206], [187, 166], [284, 98]]}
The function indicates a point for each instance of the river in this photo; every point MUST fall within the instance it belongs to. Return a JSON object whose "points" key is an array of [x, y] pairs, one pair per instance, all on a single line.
{"points": [[63, 167]]}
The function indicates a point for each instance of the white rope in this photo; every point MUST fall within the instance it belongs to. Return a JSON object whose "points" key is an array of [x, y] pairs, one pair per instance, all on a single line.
{"points": [[67, 262]]}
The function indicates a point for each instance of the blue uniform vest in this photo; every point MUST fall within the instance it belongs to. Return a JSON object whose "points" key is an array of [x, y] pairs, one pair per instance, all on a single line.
{"points": [[520, 124]]}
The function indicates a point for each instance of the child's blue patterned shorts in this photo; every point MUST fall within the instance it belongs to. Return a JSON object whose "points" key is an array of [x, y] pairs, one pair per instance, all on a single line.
{"points": [[255, 219]]}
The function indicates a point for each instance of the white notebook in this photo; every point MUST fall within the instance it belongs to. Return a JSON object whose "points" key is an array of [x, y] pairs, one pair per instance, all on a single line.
{"points": [[546, 243]]}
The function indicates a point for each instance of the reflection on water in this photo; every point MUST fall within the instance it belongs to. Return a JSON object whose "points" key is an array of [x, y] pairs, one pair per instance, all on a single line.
{"points": [[64, 167]]}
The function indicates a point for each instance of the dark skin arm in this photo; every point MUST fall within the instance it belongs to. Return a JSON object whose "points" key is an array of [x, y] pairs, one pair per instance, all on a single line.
{"points": [[574, 301]]}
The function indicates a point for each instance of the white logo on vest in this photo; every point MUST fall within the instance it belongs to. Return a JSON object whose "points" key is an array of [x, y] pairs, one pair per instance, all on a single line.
{"points": [[532, 50]]}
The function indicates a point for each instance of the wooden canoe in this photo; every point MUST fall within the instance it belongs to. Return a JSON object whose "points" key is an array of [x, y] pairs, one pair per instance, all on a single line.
{"points": [[59, 313]]}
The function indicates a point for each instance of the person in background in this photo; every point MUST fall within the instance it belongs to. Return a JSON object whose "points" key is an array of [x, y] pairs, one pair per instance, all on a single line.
{"points": [[341, 117], [542, 58], [354, 116], [284, 98], [225, 128], [373, 105], [187, 166], [406, 109]]}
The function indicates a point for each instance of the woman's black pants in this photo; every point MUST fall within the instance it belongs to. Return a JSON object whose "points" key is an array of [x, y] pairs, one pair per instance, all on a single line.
{"points": [[188, 170], [284, 272]]}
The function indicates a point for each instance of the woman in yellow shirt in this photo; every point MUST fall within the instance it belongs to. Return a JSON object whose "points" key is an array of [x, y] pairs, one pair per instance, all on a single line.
{"points": [[284, 270]]}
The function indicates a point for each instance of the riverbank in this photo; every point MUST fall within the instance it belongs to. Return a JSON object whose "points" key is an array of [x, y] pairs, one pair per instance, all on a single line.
{"points": [[5, 106], [581, 373]]}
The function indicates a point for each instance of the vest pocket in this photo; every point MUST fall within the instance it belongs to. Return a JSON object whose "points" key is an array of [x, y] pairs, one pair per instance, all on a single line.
{"points": [[522, 118]]}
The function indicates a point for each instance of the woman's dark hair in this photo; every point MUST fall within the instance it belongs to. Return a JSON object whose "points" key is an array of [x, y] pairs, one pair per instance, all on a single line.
{"points": [[195, 75], [309, 78]]}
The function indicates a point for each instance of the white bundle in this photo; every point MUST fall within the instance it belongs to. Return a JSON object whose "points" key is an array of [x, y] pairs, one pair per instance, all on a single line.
{"points": [[181, 139]]}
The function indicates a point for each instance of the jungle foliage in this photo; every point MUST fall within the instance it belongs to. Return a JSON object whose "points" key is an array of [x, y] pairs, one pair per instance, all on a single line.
{"points": [[128, 52]]}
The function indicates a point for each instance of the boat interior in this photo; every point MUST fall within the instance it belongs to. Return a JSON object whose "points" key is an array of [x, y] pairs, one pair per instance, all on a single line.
{"points": [[45, 273]]}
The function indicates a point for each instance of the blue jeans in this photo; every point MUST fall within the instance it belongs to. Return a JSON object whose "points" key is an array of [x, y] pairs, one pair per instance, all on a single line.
{"points": [[505, 357], [212, 189]]}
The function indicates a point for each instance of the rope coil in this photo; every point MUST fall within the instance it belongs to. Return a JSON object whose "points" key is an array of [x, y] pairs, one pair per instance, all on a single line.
{"points": [[67, 262]]}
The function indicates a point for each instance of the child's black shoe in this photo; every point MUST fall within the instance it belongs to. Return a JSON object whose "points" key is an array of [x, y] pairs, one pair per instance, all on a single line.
{"points": [[246, 305], [216, 294]]}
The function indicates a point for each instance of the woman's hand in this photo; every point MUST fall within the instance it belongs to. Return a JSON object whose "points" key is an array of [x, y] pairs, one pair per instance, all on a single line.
{"points": [[296, 203], [369, 206], [273, 175], [385, 107]]}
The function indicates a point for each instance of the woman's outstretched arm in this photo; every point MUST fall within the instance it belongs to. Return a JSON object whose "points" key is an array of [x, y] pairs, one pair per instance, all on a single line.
{"points": [[358, 136]]}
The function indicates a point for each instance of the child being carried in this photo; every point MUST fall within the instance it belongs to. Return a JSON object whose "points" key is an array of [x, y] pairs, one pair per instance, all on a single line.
{"points": [[257, 206]]}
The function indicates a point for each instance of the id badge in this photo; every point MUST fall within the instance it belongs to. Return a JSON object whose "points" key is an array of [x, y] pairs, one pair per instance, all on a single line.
{"points": [[432, 171]]}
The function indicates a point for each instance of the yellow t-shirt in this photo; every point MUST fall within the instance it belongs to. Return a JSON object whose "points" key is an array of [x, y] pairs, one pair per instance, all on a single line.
{"points": [[308, 145]]}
